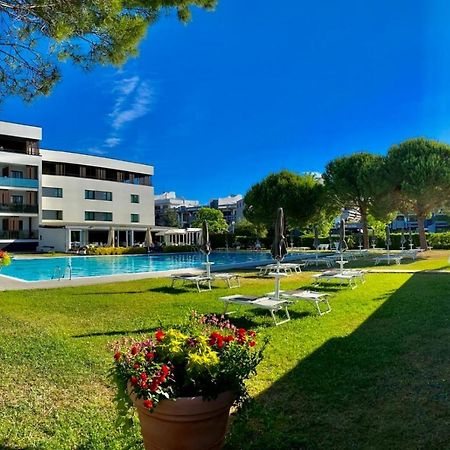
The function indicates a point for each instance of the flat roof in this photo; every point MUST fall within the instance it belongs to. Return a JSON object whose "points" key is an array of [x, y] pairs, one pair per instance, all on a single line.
{"points": [[20, 131]]}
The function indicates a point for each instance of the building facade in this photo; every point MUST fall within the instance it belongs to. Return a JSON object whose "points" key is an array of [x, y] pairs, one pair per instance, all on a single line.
{"points": [[57, 200]]}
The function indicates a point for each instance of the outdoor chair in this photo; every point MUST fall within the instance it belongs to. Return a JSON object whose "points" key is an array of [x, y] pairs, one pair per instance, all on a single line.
{"points": [[266, 302], [316, 261], [410, 254], [388, 258], [312, 297], [202, 282], [348, 277], [286, 268]]}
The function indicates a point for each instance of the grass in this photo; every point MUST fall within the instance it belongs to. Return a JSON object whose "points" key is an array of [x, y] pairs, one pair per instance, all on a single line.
{"points": [[374, 373]]}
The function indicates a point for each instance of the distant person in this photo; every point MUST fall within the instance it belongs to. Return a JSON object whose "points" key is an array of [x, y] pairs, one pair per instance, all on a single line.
{"points": [[257, 245]]}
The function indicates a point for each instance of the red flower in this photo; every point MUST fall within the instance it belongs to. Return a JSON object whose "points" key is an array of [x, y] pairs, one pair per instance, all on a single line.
{"points": [[162, 378], [241, 332], [228, 338], [134, 350], [144, 376], [220, 341], [165, 369], [148, 404], [252, 333], [154, 386], [143, 385], [117, 356], [159, 335], [149, 355], [133, 380], [136, 366], [252, 343]]}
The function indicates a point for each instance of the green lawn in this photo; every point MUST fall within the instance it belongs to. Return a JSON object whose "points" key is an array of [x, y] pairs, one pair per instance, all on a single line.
{"points": [[374, 373]]}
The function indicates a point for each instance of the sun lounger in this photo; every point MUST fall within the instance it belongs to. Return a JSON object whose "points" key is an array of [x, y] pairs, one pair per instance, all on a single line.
{"points": [[410, 254], [348, 277], [388, 259], [287, 268], [198, 280], [315, 298], [232, 279], [268, 303], [316, 261]]}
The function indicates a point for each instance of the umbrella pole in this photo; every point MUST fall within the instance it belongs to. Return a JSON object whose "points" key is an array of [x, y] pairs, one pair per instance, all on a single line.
{"points": [[277, 282], [208, 266]]}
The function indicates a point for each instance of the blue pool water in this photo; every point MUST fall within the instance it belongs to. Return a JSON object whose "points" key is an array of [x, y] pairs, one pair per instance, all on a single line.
{"points": [[38, 269]]}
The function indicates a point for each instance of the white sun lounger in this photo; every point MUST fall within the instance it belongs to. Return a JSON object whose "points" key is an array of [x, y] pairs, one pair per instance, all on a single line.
{"points": [[287, 268], [198, 280], [348, 277], [271, 304], [315, 298], [316, 261], [232, 279], [388, 259]]}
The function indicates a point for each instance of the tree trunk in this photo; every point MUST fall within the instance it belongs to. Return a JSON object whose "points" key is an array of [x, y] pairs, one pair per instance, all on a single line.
{"points": [[365, 228], [422, 237]]}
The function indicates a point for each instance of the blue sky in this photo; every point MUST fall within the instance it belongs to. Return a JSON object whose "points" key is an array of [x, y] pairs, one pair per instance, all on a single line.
{"points": [[255, 87]]}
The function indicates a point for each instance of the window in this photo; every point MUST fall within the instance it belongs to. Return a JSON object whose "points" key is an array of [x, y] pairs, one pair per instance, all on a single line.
{"points": [[134, 218], [134, 198], [52, 192], [17, 199], [52, 214], [98, 216], [97, 195], [16, 174]]}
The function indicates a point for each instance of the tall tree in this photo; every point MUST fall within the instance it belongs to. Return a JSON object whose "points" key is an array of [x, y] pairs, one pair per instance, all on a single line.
{"points": [[36, 35], [214, 217], [169, 218], [419, 170], [301, 196], [353, 182]]}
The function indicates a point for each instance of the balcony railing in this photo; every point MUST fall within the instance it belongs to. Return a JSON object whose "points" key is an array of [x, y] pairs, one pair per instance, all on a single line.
{"points": [[18, 234], [19, 182], [18, 208]]}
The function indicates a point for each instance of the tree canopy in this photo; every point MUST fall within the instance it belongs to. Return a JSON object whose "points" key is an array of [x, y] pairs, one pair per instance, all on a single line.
{"points": [[214, 218], [301, 196], [36, 35], [419, 170], [353, 182]]}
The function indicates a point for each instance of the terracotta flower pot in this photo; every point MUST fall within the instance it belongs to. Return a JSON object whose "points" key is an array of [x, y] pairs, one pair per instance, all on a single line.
{"points": [[185, 423]]}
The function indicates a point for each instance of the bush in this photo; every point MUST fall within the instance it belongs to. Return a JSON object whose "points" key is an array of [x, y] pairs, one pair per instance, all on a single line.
{"points": [[104, 251], [439, 240]]}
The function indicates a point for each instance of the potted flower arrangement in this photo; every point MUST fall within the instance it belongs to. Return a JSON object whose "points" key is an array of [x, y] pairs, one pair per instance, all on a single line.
{"points": [[183, 381], [5, 259]]}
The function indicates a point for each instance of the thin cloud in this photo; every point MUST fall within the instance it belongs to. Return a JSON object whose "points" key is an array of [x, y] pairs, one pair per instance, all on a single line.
{"points": [[112, 141], [96, 151], [135, 100]]}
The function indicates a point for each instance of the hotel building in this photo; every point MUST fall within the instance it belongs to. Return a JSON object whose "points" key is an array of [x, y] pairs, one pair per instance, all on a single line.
{"points": [[57, 200]]}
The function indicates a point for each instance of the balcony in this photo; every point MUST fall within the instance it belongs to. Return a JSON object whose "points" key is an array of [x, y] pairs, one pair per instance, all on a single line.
{"points": [[19, 234], [18, 208], [19, 182]]}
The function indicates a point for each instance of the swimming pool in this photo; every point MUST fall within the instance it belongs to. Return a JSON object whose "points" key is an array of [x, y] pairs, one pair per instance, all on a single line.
{"points": [[39, 269]]}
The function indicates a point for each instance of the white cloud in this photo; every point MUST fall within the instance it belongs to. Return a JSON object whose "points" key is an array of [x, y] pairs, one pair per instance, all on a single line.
{"points": [[135, 100], [112, 141], [96, 151]]}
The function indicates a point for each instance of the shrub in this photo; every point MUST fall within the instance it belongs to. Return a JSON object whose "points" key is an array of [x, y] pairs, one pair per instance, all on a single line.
{"points": [[179, 248]]}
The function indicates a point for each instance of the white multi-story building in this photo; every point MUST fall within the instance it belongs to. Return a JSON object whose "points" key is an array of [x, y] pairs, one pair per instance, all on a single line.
{"points": [[69, 199], [20, 166]]}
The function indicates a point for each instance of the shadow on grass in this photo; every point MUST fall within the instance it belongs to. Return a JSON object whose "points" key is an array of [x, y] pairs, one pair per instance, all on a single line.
{"points": [[115, 333], [386, 385]]}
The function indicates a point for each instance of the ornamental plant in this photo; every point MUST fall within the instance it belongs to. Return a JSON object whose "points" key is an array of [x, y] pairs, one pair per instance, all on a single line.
{"points": [[205, 357], [5, 259]]}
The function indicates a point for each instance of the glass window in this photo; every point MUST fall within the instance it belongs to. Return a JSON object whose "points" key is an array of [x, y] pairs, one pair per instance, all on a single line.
{"points": [[98, 216], [134, 198], [52, 214], [134, 218], [16, 174], [17, 199], [97, 195], [52, 192]]}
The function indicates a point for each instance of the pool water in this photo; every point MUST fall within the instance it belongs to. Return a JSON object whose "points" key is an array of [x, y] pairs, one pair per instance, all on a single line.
{"points": [[39, 269]]}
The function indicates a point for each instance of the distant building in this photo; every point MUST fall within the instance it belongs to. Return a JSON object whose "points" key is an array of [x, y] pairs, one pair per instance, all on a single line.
{"points": [[169, 200], [231, 207]]}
